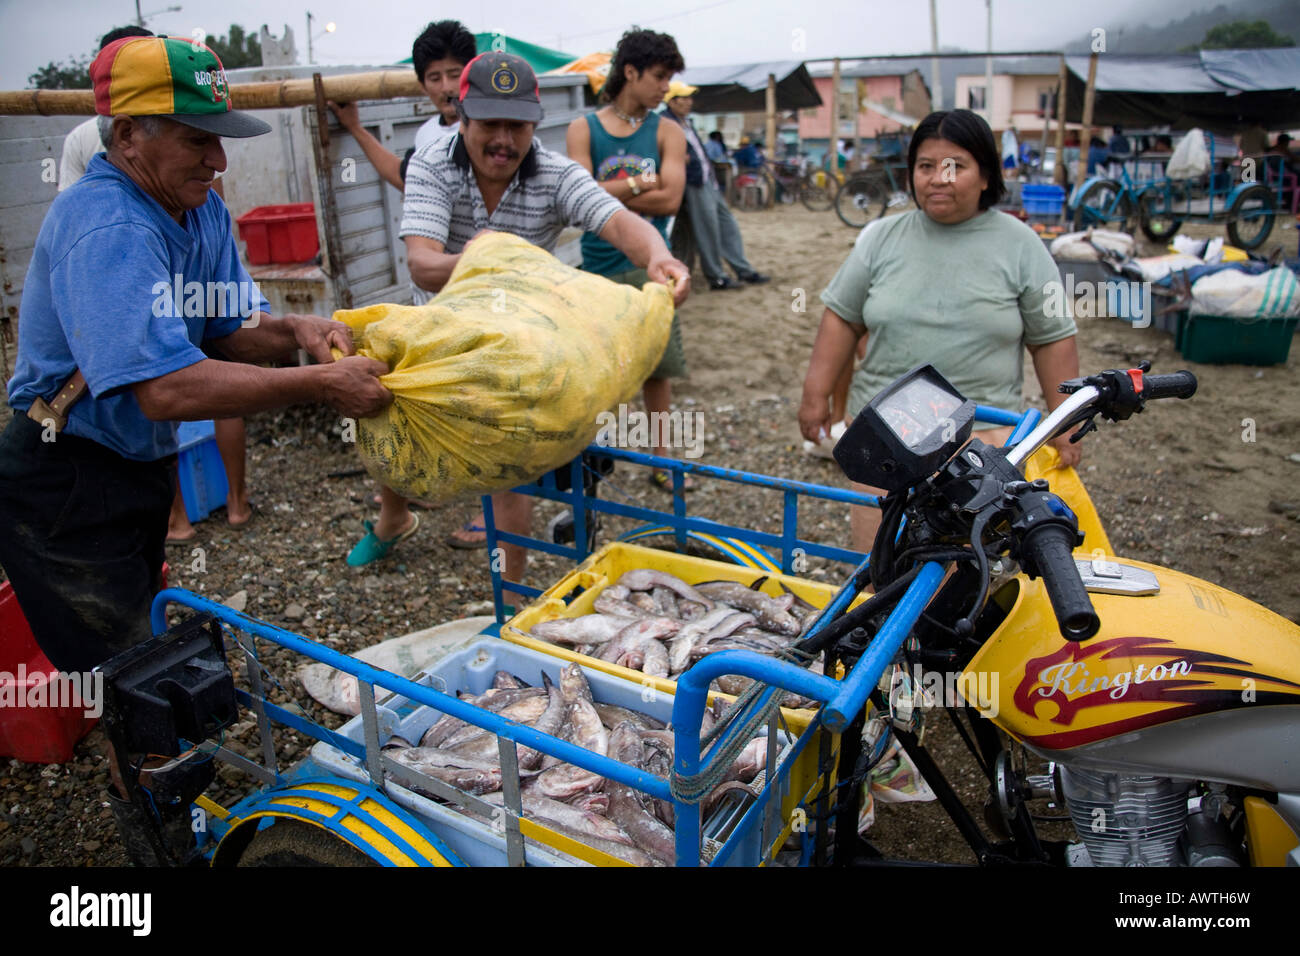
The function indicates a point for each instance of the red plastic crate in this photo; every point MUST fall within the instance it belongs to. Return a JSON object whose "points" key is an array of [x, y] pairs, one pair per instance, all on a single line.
{"points": [[33, 734], [284, 233]]}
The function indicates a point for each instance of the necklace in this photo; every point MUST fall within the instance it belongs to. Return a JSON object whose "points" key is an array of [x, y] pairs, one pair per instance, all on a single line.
{"points": [[633, 121]]}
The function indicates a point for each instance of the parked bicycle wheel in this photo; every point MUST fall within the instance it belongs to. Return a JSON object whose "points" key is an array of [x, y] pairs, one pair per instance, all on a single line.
{"points": [[860, 200], [1156, 214], [818, 190], [1105, 204], [1250, 219]]}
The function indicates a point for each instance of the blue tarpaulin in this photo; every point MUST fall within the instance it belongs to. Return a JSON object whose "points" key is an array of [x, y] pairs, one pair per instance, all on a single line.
{"points": [[1219, 90]]}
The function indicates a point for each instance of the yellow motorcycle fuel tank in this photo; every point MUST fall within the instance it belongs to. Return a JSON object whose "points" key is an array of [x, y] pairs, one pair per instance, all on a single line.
{"points": [[1187, 669]]}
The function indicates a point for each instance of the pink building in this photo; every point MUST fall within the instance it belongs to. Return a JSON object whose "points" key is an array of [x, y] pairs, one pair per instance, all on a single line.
{"points": [[885, 98]]}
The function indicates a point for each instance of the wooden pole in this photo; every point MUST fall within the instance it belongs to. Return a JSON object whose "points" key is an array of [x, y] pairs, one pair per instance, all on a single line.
{"points": [[936, 94], [988, 70], [342, 88], [322, 112], [835, 115], [771, 118], [860, 94], [1058, 174], [1085, 133]]}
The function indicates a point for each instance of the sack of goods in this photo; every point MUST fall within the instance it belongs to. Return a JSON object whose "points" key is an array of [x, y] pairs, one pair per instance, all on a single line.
{"points": [[1272, 295], [501, 377]]}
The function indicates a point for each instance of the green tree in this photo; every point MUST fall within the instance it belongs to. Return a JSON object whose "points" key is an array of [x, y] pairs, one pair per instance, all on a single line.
{"points": [[237, 48], [1242, 35], [72, 75]]}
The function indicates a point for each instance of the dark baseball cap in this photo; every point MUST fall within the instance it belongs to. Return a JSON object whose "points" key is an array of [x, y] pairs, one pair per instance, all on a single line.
{"points": [[500, 86]]}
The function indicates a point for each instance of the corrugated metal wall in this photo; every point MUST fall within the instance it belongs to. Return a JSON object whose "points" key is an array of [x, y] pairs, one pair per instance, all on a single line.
{"points": [[30, 148]]}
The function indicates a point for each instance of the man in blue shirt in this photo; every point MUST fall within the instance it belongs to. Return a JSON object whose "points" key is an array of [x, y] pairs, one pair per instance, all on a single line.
{"points": [[716, 148], [135, 281], [750, 154]]}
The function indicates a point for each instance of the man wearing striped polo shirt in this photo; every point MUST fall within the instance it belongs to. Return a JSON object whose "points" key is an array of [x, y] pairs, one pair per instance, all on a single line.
{"points": [[494, 176]]}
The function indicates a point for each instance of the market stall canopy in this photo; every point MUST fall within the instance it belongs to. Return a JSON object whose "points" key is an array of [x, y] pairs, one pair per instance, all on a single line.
{"points": [[742, 88], [594, 66], [1220, 90], [1254, 70]]}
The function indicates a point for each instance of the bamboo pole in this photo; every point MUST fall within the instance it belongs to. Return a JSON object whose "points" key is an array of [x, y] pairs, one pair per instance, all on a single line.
{"points": [[342, 88], [771, 117], [860, 94], [1085, 132]]}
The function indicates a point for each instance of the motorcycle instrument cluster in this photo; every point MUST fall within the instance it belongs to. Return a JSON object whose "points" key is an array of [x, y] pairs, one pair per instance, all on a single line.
{"points": [[906, 432]]}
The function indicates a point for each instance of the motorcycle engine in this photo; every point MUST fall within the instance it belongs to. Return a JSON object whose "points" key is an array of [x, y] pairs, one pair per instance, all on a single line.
{"points": [[1126, 820]]}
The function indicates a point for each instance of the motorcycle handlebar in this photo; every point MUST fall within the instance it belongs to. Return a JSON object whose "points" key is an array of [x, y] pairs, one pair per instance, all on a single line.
{"points": [[1049, 548], [1173, 385]]}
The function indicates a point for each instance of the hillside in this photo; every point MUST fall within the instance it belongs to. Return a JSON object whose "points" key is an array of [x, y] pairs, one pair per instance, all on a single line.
{"points": [[1179, 32]]}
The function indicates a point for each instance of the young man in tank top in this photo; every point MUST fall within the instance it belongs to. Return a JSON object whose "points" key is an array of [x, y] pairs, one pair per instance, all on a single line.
{"points": [[641, 162]]}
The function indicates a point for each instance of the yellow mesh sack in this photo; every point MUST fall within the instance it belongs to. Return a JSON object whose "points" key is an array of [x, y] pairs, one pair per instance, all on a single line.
{"points": [[500, 378]]}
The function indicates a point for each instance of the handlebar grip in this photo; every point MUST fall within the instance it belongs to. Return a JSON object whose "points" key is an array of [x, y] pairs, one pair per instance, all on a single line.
{"points": [[1049, 548], [1173, 385]]}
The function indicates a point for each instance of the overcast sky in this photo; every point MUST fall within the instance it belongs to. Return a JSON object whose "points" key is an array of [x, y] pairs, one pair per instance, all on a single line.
{"points": [[709, 32]]}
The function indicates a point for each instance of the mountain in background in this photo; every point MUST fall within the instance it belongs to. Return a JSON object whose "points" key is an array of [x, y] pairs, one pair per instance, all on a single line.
{"points": [[1175, 35]]}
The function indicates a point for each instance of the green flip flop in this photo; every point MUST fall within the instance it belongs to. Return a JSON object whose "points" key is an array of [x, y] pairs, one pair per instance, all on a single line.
{"points": [[372, 548]]}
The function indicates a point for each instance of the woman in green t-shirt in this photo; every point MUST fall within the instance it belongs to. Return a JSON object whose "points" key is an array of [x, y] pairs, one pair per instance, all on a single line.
{"points": [[954, 283]]}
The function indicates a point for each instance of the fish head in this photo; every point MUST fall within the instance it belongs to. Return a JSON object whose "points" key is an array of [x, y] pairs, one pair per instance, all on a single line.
{"points": [[573, 683]]}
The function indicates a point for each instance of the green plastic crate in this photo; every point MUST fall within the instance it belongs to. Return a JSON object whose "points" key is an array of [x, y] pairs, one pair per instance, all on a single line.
{"points": [[1221, 340]]}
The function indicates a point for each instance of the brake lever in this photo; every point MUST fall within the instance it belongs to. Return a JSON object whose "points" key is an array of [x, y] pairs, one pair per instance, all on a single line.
{"points": [[1089, 426]]}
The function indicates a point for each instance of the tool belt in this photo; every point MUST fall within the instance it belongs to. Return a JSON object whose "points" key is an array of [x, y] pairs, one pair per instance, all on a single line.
{"points": [[56, 411]]}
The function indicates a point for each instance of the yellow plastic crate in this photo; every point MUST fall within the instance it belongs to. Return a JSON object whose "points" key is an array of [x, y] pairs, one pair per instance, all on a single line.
{"points": [[607, 565]]}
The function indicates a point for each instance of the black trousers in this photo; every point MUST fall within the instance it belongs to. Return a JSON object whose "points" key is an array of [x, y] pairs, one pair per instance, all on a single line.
{"points": [[82, 536]]}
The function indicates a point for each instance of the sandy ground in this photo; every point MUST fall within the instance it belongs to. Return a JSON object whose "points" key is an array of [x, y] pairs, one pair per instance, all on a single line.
{"points": [[1177, 485]]}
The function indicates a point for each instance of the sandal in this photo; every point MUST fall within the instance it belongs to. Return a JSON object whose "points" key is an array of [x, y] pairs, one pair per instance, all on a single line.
{"points": [[664, 480], [465, 545], [371, 548], [252, 514]]}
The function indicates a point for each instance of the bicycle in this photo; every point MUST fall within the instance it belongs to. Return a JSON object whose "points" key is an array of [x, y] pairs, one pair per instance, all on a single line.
{"points": [[866, 194], [1106, 201], [799, 180], [1242, 197]]}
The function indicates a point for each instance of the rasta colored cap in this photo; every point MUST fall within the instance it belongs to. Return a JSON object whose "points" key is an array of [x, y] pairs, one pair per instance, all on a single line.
{"points": [[170, 77], [500, 86]]}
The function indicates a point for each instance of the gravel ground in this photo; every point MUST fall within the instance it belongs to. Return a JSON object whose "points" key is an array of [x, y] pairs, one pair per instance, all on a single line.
{"points": [[1176, 486]]}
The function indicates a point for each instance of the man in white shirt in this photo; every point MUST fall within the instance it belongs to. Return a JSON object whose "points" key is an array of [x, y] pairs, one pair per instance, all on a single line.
{"points": [[86, 140], [439, 55]]}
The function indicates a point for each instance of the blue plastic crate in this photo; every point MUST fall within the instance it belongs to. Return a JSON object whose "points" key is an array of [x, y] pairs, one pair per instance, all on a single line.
{"points": [[471, 669], [202, 474], [1041, 199]]}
